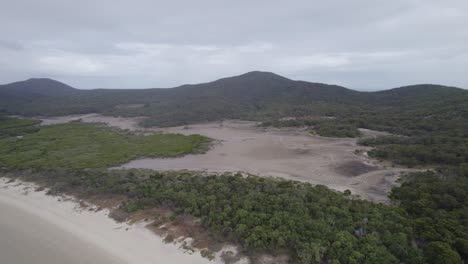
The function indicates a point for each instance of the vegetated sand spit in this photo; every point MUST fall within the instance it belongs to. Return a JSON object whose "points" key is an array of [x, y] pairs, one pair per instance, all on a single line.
{"points": [[42, 229], [288, 153]]}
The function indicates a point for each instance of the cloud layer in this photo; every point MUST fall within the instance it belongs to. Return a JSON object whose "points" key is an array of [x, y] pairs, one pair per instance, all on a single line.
{"points": [[365, 45]]}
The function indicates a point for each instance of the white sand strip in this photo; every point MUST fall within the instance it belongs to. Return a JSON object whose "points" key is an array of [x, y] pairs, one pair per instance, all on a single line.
{"points": [[37, 228]]}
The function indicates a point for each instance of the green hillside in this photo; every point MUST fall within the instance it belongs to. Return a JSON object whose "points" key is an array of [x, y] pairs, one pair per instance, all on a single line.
{"points": [[429, 129], [432, 118], [254, 95]]}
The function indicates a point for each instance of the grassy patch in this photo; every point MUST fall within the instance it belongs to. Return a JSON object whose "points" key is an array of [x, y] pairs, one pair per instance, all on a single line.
{"points": [[81, 145], [7, 122], [17, 127], [335, 129]]}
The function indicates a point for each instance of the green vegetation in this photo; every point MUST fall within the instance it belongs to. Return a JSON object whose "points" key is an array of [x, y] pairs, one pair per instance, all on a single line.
{"points": [[325, 127], [441, 253], [258, 96], [432, 133], [8, 122], [420, 150], [433, 117], [428, 138], [427, 223], [335, 129], [81, 145], [313, 223], [422, 137], [437, 202], [17, 127]]}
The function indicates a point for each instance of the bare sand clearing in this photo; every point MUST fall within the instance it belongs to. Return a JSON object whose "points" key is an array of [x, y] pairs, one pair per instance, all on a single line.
{"points": [[37, 228], [288, 153], [120, 122]]}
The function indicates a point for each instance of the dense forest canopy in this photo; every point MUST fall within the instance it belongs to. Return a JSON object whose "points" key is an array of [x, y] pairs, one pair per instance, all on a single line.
{"points": [[426, 125], [255, 95], [313, 223], [434, 117]]}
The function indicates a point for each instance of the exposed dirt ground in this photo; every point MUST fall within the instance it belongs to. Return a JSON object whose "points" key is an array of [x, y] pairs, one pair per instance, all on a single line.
{"points": [[120, 122], [287, 153]]}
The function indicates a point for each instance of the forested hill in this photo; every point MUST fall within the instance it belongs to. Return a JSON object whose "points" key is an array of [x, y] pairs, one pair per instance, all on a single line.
{"points": [[259, 87], [420, 94], [36, 87], [427, 224], [254, 95]]}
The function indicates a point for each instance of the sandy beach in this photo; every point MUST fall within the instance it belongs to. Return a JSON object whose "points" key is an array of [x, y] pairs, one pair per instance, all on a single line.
{"points": [[37, 228]]}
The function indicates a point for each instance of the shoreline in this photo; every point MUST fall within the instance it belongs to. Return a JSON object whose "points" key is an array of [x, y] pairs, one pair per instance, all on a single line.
{"points": [[94, 231]]}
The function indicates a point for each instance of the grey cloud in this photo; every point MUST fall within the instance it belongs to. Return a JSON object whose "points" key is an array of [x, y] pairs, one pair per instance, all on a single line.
{"points": [[10, 45], [360, 44]]}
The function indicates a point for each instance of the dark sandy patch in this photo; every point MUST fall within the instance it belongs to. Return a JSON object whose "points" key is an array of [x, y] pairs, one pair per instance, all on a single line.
{"points": [[355, 168]]}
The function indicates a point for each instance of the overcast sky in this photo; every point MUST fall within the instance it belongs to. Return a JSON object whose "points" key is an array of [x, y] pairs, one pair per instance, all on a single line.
{"points": [[364, 45]]}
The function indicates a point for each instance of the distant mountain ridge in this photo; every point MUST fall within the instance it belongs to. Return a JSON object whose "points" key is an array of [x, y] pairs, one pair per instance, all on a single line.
{"points": [[269, 80], [253, 95], [37, 86]]}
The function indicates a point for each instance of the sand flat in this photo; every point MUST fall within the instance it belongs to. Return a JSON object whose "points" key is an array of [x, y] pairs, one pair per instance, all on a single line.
{"points": [[37, 228], [287, 153], [126, 123]]}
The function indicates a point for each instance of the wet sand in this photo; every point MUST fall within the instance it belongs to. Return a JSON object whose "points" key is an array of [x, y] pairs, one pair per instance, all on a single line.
{"points": [[37, 228]]}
